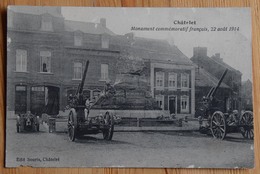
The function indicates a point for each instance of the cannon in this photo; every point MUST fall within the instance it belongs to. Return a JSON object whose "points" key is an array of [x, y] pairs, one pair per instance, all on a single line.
{"points": [[80, 121], [27, 122], [219, 123]]}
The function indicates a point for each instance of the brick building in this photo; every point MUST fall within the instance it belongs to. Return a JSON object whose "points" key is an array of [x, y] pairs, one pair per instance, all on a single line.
{"points": [[203, 83], [215, 66], [47, 54], [169, 75]]}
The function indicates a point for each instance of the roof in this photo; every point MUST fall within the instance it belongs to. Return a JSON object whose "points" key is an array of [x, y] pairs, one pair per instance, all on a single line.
{"points": [[221, 62], [205, 79], [161, 50], [246, 83], [86, 27], [152, 49], [37, 10]]}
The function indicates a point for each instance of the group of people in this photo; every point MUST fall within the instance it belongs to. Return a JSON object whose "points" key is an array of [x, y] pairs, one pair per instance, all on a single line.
{"points": [[108, 92]]}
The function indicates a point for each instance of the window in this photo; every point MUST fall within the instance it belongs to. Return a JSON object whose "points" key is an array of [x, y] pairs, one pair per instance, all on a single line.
{"points": [[45, 61], [38, 88], [184, 103], [172, 80], [159, 79], [77, 39], [185, 80], [159, 100], [46, 23], [104, 41], [21, 60], [77, 71], [104, 71], [20, 88]]}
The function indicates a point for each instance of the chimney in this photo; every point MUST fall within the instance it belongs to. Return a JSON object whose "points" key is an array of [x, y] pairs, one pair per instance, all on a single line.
{"points": [[200, 52], [130, 36], [103, 22], [217, 57]]}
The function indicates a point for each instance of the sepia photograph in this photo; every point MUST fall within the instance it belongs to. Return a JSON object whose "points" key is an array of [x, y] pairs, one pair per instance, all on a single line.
{"points": [[129, 87]]}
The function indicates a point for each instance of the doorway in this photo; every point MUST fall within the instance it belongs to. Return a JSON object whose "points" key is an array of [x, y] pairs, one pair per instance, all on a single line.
{"points": [[172, 104], [20, 99], [45, 99]]}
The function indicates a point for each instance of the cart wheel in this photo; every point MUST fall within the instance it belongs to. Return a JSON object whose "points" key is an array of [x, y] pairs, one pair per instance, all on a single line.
{"points": [[71, 126], [108, 133], [218, 125], [246, 122]]}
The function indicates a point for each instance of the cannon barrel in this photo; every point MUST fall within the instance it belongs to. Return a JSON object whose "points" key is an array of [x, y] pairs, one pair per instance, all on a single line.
{"points": [[213, 90], [81, 85]]}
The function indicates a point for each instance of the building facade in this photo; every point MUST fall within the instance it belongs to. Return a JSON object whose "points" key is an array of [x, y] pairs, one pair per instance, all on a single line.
{"points": [[47, 56], [173, 87], [203, 83], [215, 66]]}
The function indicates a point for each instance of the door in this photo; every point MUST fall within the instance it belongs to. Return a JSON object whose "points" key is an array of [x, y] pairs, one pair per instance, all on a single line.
{"points": [[52, 100], [20, 99], [37, 99], [45, 99], [172, 104]]}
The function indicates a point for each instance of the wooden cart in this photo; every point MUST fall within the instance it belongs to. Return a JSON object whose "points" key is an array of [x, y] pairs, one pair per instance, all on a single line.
{"points": [[219, 123]]}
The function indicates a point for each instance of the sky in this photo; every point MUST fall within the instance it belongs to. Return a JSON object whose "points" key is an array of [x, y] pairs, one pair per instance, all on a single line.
{"points": [[234, 46]]}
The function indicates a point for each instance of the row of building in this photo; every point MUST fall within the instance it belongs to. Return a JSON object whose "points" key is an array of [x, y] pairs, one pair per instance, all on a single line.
{"points": [[47, 53]]}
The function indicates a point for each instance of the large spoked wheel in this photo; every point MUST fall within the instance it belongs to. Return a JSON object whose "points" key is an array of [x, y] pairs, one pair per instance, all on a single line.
{"points": [[71, 126], [218, 125], [246, 122], [108, 133]]}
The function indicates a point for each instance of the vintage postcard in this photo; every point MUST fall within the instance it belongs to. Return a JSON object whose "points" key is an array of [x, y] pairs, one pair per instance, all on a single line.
{"points": [[129, 87]]}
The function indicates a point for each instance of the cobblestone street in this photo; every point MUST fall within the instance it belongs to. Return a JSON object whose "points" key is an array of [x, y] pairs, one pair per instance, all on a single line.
{"points": [[130, 149]]}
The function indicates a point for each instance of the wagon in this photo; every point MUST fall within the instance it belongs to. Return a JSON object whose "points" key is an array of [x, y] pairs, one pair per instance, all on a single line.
{"points": [[78, 125], [80, 119], [218, 123]]}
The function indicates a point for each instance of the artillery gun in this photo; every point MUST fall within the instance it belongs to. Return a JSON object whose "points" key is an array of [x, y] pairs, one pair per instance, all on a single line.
{"points": [[79, 120], [219, 123]]}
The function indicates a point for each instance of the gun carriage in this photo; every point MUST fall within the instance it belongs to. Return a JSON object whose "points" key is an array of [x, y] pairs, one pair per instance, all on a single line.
{"points": [[219, 123], [79, 120]]}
